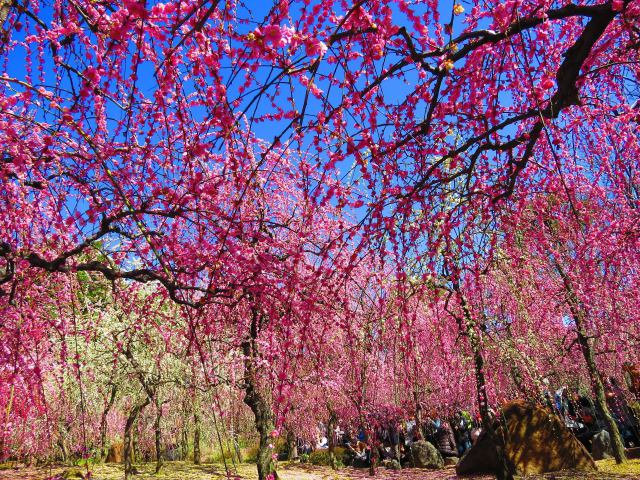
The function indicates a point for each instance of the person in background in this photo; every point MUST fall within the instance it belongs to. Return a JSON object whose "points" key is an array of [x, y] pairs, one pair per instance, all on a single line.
{"points": [[431, 427], [586, 415], [445, 441], [410, 426], [402, 437], [394, 438], [476, 430], [359, 454], [462, 430], [338, 435], [560, 401], [322, 443], [545, 399]]}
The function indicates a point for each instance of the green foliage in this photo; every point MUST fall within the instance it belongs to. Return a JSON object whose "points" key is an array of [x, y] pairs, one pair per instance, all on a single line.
{"points": [[245, 442], [321, 457], [82, 462], [72, 473], [93, 287], [250, 451], [217, 456], [281, 446], [304, 458], [251, 454]]}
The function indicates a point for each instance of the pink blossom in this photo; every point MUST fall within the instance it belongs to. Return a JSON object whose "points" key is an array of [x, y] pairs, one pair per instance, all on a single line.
{"points": [[315, 47], [272, 34], [136, 8]]}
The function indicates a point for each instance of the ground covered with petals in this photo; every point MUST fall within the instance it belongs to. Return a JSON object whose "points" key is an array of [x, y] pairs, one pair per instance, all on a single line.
{"points": [[187, 471]]}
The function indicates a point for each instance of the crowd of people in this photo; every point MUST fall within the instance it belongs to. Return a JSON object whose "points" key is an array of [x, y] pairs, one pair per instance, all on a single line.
{"points": [[393, 438], [580, 414], [388, 435]]}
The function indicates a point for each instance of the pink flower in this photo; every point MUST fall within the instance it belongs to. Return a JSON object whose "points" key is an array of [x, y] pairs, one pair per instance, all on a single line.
{"points": [[314, 47], [359, 19], [136, 8], [547, 84], [272, 34]]}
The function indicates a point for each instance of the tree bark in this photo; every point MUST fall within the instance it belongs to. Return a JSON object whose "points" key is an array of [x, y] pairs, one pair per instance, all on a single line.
{"points": [[103, 423], [129, 437], [256, 401], [63, 432], [196, 438], [158, 434], [418, 428], [331, 434], [63, 450], [292, 445], [184, 442], [236, 446], [264, 425], [579, 315], [601, 401], [150, 387], [505, 470], [135, 445]]}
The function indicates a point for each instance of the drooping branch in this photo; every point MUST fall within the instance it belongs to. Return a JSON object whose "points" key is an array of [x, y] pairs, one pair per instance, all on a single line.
{"points": [[565, 96]]}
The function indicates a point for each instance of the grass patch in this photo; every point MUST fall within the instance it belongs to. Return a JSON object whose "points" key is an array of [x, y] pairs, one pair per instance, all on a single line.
{"points": [[321, 457], [631, 467]]}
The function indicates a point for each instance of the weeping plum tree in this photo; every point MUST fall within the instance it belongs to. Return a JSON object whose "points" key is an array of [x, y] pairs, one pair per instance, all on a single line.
{"points": [[234, 154], [584, 253], [104, 113]]}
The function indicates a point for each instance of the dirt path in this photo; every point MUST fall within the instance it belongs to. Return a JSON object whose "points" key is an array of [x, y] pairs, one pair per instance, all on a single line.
{"points": [[188, 471]]}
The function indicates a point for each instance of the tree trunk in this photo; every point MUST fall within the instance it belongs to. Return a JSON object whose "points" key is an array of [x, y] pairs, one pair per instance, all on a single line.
{"points": [[292, 445], [372, 442], [505, 470], [578, 314], [129, 449], [418, 428], [135, 445], [103, 423], [331, 434], [158, 433], [196, 438], [63, 432], [264, 425], [63, 450], [236, 446], [601, 401], [184, 442], [254, 399]]}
